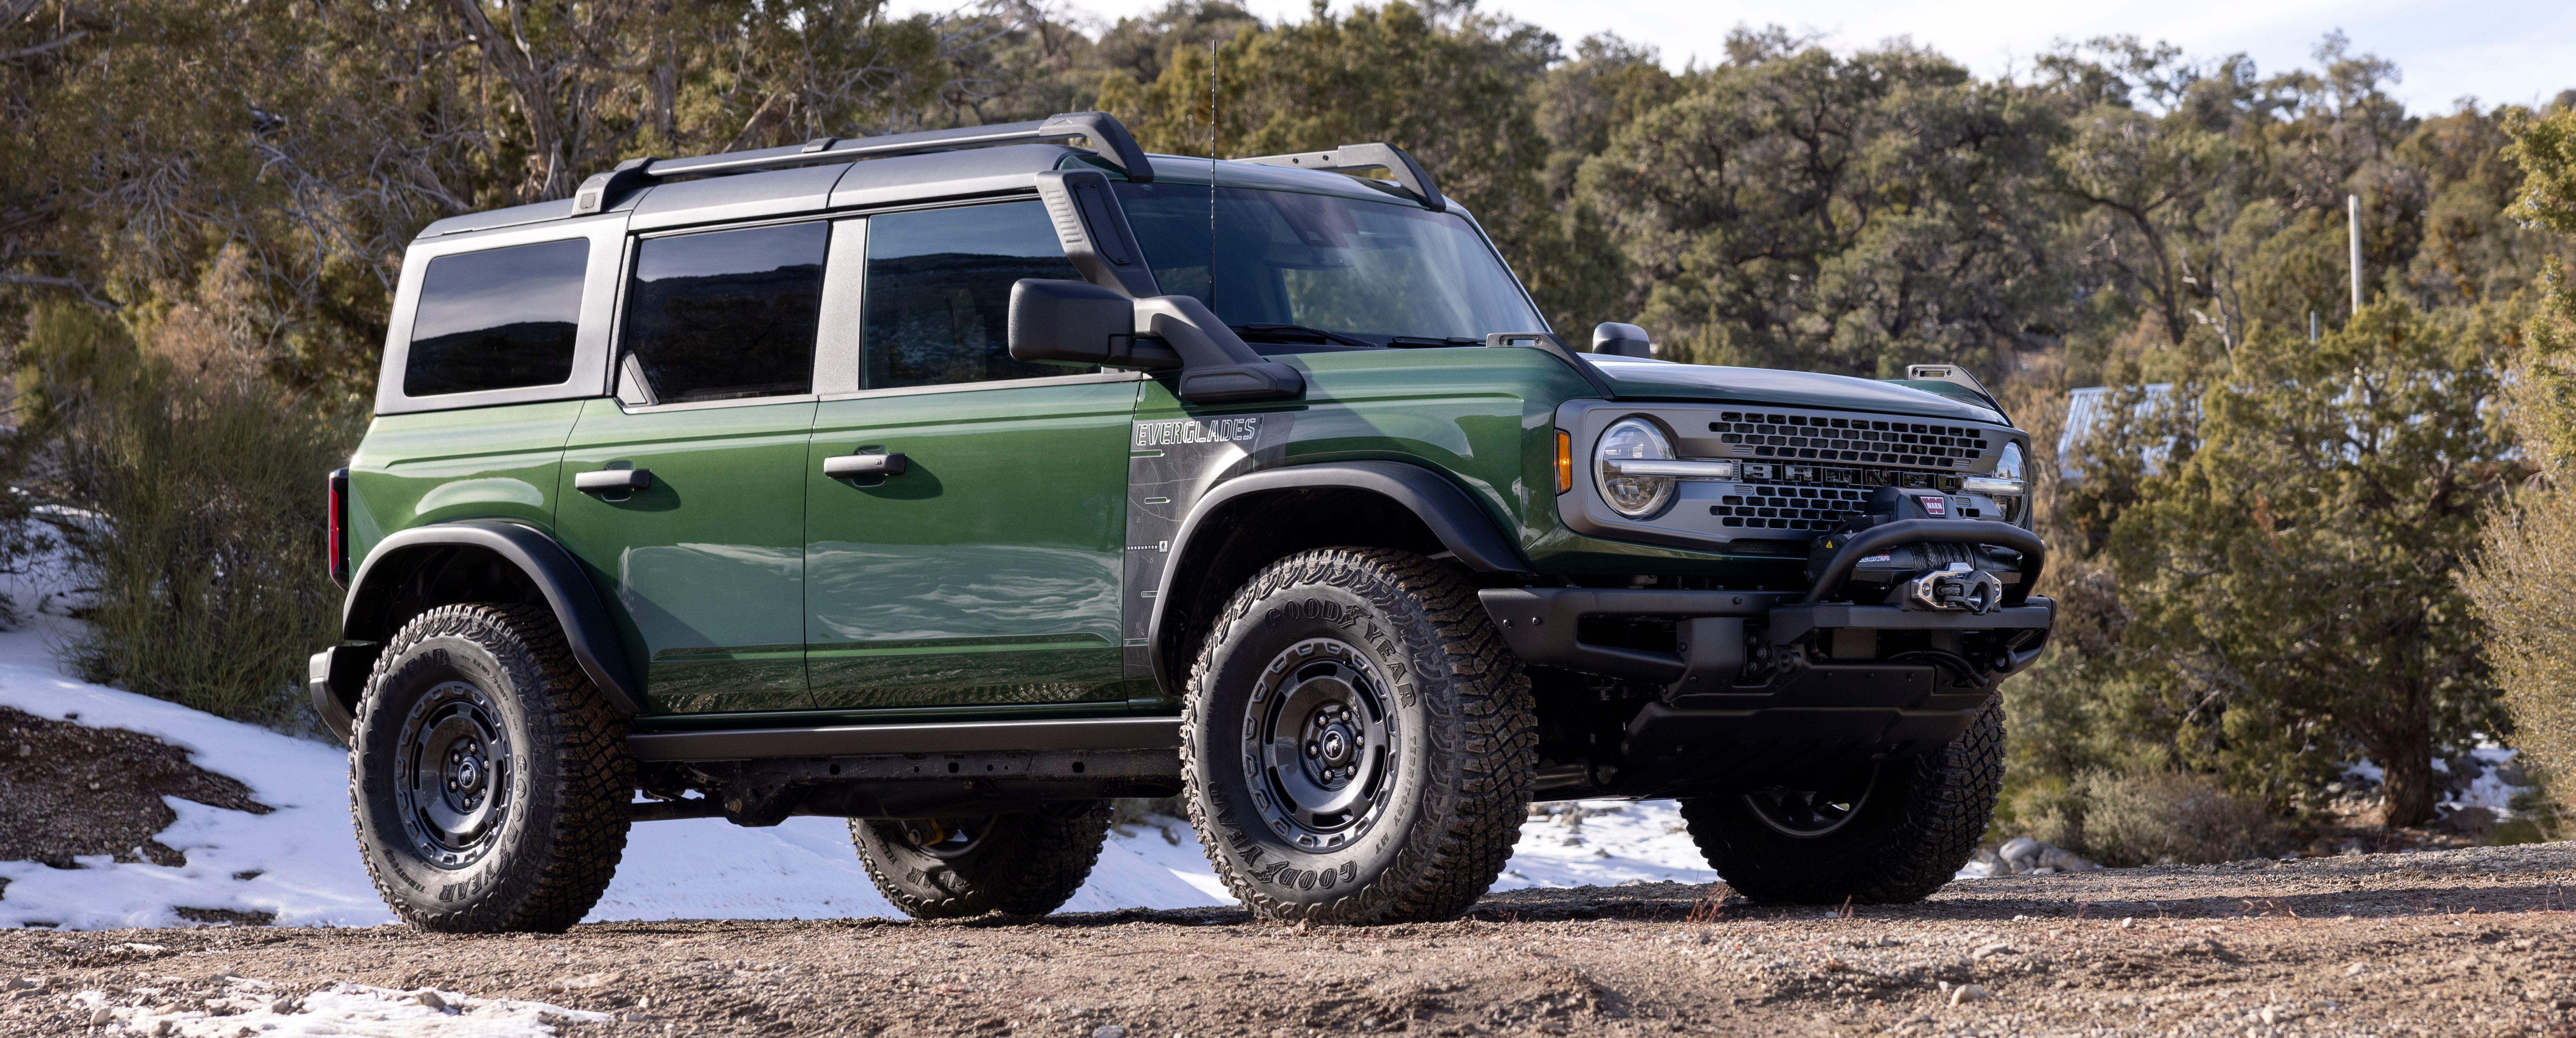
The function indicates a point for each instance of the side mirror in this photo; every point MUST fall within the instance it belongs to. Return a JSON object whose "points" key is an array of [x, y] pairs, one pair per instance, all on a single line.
{"points": [[1070, 322], [1077, 322], [1621, 340]]}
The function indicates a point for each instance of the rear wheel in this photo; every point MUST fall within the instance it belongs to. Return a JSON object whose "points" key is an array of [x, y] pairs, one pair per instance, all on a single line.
{"points": [[1887, 833], [951, 868], [488, 777]]}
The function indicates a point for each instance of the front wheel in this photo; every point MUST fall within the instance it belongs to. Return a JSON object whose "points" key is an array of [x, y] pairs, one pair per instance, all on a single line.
{"points": [[1357, 740], [1885, 834], [954, 868]]}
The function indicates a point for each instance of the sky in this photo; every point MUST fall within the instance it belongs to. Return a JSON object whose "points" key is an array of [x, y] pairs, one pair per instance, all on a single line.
{"points": [[2498, 51]]}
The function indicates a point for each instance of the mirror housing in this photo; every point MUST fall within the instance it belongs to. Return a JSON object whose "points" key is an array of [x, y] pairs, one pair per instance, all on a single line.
{"points": [[1079, 323], [1621, 340]]}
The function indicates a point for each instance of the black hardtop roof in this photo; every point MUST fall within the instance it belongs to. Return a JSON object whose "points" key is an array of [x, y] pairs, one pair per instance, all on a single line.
{"points": [[930, 164]]}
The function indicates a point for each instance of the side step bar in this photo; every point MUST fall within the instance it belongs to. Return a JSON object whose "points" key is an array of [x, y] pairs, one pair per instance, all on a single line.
{"points": [[1086, 733]]}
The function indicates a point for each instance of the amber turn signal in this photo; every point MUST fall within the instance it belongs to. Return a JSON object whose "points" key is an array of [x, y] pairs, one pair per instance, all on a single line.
{"points": [[1564, 462]]}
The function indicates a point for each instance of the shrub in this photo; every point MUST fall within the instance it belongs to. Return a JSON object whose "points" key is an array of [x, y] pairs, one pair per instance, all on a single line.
{"points": [[2142, 817], [202, 556]]}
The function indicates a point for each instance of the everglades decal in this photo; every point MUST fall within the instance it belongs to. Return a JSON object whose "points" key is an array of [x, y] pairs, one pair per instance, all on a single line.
{"points": [[1171, 463], [1197, 430]]}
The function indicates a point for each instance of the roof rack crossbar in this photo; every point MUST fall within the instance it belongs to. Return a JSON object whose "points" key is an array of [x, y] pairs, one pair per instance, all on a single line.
{"points": [[1106, 134], [1354, 158]]}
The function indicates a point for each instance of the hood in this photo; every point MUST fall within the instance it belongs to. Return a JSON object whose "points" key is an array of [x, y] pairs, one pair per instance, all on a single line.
{"points": [[1664, 380]]}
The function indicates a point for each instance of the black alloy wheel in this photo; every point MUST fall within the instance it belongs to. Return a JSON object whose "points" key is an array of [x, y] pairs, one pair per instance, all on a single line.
{"points": [[1324, 737], [1810, 813], [452, 773]]}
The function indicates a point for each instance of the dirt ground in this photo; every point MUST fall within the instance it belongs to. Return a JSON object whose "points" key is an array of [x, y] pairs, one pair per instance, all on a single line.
{"points": [[2463, 942], [68, 789]]}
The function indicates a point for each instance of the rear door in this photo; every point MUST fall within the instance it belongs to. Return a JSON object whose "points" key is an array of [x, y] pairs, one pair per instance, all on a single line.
{"points": [[986, 574], [703, 558]]}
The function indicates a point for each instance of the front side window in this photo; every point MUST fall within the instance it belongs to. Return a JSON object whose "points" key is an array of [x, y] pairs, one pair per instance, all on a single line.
{"points": [[496, 319], [1389, 273], [724, 315], [939, 292]]}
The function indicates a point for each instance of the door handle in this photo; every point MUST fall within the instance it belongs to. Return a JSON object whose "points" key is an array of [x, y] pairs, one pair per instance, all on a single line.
{"points": [[609, 480], [846, 466]]}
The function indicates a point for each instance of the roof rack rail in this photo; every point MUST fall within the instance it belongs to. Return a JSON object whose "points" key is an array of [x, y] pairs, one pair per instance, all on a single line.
{"points": [[1107, 135], [1352, 158]]}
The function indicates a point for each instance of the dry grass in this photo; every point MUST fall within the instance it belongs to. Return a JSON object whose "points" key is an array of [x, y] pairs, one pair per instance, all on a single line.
{"points": [[2148, 817], [2523, 586], [203, 562]]}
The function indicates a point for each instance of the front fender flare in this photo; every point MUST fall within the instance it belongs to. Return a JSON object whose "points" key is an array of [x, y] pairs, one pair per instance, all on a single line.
{"points": [[1452, 517], [587, 627]]}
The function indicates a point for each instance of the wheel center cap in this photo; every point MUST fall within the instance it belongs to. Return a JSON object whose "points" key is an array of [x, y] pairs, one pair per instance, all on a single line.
{"points": [[1336, 746]]}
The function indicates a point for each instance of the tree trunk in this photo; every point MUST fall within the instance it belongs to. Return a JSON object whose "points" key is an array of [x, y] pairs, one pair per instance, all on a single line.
{"points": [[2399, 736], [2410, 787]]}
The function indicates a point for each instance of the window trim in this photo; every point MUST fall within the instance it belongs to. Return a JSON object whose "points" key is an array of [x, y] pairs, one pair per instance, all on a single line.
{"points": [[1078, 379], [854, 296], [626, 280], [600, 299]]}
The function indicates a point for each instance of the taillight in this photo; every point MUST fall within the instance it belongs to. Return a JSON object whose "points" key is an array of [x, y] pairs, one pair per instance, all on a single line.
{"points": [[336, 539]]}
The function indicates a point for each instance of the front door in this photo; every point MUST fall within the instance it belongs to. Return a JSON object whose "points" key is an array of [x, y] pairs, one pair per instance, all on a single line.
{"points": [[703, 556], [986, 573]]}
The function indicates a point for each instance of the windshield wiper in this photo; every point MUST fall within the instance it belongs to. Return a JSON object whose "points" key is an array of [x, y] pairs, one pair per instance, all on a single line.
{"points": [[1274, 331]]}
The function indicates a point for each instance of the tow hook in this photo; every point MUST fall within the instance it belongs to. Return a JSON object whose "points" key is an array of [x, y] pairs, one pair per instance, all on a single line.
{"points": [[1955, 588]]}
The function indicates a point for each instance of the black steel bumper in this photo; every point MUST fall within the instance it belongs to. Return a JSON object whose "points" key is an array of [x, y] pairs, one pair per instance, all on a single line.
{"points": [[1542, 626], [1818, 699]]}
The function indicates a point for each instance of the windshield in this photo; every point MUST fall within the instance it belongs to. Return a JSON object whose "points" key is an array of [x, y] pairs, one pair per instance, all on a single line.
{"points": [[1369, 273]]}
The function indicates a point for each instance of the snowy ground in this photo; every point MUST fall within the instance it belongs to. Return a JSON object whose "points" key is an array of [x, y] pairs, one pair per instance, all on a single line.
{"points": [[301, 861]]}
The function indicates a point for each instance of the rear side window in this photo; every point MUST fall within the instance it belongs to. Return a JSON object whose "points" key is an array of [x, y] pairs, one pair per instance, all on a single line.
{"points": [[939, 292], [727, 314], [496, 319]]}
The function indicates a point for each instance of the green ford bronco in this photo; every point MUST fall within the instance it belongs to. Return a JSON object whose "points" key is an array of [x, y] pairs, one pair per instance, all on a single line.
{"points": [[956, 482]]}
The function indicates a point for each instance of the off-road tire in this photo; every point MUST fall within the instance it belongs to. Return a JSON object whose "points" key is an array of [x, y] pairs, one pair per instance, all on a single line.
{"points": [[1918, 826], [566, 775], [1460, 758], [1021, 864]]}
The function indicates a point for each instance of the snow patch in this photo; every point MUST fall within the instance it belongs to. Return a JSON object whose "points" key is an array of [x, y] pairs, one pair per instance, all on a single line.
{"points": [[258, 1007]]}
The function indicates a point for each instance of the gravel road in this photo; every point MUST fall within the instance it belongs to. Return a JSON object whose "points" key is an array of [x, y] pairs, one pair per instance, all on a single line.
{"points": [[2468, 942]]}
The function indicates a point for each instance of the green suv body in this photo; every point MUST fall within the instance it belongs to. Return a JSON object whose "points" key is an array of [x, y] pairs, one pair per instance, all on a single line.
{"points": [[956, 482]]}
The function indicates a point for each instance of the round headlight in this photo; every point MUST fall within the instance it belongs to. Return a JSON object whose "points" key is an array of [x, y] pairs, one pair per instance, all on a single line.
{"points": [[2008, 465], [1632, 439]]}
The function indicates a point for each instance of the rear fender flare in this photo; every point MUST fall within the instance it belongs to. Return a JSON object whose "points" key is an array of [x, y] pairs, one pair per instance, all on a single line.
{"points": [[587, 627], [1451, 515]]}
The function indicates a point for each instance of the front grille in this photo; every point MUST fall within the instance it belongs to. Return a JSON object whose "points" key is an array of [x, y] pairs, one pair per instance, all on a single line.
{"points": [[1816, 497], [1870, 441]]}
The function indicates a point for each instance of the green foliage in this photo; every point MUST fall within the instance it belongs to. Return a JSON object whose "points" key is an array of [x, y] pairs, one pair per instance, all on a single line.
{"points": [[2519, 583], [1794, 208], [2290, 578], [199, 481]]}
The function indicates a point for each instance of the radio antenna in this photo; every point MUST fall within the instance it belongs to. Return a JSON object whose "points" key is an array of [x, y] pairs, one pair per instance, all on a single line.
{"points": [[1212, 173]]}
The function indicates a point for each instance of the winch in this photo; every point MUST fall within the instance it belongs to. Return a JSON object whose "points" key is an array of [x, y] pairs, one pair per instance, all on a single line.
{"points": [[1930, 576]]}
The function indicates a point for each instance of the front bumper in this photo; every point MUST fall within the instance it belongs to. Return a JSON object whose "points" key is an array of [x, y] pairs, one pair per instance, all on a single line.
{"points": [[1715, 727], [1543, 626]]}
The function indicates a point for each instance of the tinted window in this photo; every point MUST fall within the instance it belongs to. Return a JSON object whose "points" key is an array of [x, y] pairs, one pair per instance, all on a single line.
{"points": [[939, 292], [496, 319], [728, 313], [1375, 270]]}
